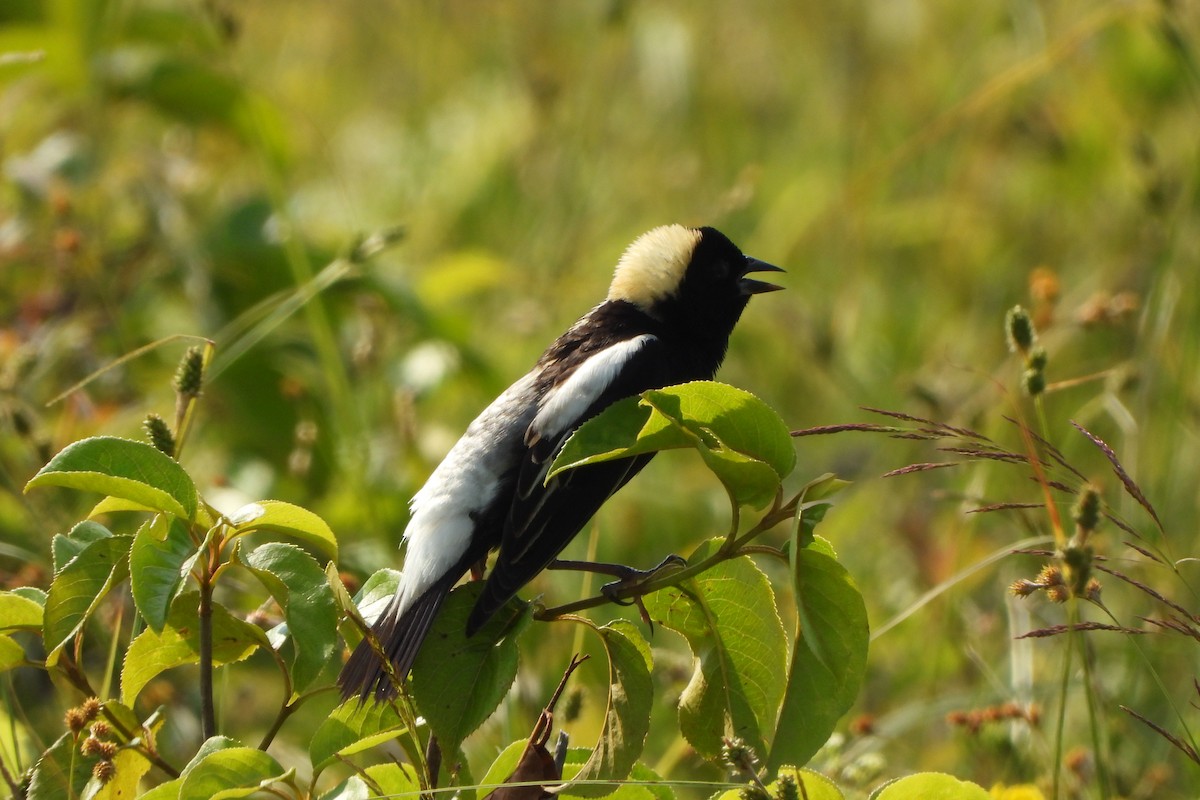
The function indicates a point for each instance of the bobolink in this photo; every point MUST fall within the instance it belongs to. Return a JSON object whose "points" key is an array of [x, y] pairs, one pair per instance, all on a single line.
{"points": [[675, 297]]}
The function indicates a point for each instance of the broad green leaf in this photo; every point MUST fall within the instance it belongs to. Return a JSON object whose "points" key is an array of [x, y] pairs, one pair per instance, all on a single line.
{"points": [[12, 655], [626, 428], [299, 585], [829, 655], [178, 643], [294, 521], [457, 681], [31, 593], [79, 587], [229, 773], [64, 548], [741, 439], [352, 728], [122, 468], [114, 505], [627, 717], [729, 618], [170, 789], [737, 431], [391, 780], [930, 786], [61, 771], [164, 791], [816, 786], [19, 613], [160, 549]]}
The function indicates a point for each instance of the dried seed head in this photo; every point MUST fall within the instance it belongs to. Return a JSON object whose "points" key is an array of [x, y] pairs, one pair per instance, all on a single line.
{"points": [[1058, 594], [1092, 590], [103, 771], [1019, 328], [1050, 576], [90, 746], [91, 708], [1024, 587], [101, 729], [75, 720], [160, 434]]}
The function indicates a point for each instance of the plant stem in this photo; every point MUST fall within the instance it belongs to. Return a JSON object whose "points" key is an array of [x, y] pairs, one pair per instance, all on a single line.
{"points": [[1062, 715], [208, 714], [1093, 713]]}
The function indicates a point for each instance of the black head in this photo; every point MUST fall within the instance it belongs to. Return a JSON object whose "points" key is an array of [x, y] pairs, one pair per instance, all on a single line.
{"points": [[692, 279]]}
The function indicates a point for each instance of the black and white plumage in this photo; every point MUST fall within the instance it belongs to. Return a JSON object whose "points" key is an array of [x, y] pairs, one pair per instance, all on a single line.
{"points": [[676, 295]]}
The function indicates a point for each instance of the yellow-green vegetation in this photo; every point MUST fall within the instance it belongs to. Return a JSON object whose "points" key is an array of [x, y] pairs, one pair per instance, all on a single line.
{"points": [[349, 225]]}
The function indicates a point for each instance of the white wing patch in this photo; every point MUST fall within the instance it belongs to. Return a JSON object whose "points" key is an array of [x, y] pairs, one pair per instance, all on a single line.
{"points": [[565, 403], [439, 531]]}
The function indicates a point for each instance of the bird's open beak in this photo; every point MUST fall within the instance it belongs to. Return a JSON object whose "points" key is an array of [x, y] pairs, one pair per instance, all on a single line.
{"points": [[752, 286]]}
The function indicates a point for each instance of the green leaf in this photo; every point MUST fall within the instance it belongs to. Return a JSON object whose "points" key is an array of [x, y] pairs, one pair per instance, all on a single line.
{"points": [[285, 518], [79, 587], [160, 549], [738, 420], [930, 786], [228, 773], [816, 786], [352, 728], [170, 789], [729, 618], [122, 468], [115, 505], [391, 780], [151, 653], [457, 681], [12, 655], [829, 655], [19, 613], [299, 585], [64, 548], [741, 439], [627, 717], [61, 771]]}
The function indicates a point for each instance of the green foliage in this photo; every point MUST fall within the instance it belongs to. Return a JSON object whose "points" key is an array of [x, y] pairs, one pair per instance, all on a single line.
{"points": [[930, 786], [727, 614], [457, 681], [125, 469], [182, 170], [722, 604], [740, 438]]}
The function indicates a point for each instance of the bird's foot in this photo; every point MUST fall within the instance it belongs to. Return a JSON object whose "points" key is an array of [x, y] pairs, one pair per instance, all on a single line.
{"points": [[634, 578]]}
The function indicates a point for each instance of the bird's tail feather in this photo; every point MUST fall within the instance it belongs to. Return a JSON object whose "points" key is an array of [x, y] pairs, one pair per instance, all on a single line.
{"points": [[401, 636]]}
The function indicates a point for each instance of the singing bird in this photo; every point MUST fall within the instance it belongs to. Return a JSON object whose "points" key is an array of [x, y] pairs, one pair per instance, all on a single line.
{"points": [[675, 297]]}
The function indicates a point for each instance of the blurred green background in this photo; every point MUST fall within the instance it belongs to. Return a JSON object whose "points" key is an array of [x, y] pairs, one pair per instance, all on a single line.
{"points": [[918, 166]]}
